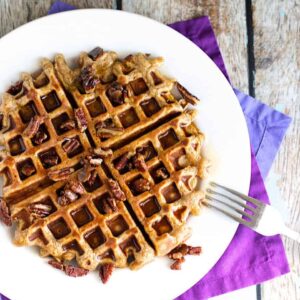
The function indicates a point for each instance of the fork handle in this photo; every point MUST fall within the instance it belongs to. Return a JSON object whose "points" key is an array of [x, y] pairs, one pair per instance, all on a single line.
{"points": [[291, 234]]}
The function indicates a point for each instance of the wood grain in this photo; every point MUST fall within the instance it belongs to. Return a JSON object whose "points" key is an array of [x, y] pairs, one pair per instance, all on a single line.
{"points": [[277, 82], [14, 13], [228, 20]]}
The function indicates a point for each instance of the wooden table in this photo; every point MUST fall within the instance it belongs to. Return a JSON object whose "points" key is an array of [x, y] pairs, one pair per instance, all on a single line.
{"points": [[260, 42]]}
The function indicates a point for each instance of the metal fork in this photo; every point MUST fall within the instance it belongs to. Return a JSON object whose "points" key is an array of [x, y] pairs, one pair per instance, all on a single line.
{"points": [[261, 217]]}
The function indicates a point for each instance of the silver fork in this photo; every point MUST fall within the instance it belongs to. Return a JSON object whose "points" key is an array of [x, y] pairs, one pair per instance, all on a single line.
{"points": [[261, 217]]}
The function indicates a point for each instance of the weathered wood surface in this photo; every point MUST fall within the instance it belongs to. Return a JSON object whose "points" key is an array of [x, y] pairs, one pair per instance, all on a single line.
{"points": [[277, 82]]}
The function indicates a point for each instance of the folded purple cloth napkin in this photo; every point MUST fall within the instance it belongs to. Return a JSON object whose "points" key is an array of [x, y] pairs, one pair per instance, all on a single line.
{"points": [[250, 258]]}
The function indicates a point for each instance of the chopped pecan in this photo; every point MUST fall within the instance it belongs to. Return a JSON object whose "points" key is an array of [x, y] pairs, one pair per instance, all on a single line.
{"points": [[116, 190], [39, 210], [33, 126], [179, 251], [96, 161], [139, 162], [70, 195], [161, 173], [110, 205], [76, 186], [16, 88], [141, 185], [81, 119], [75, 271], [186, 94], [194, 250], [177, 264], [85, 172], [40, 137], [70, 144], [103, 152], [105, 271], [87, 79], [145, 151], [5, 216], [50, 159], [68, 125], [122, 161], [61, 174], [116, 93], [63, 200], [96, 53], [107, 131], [28, 169], [56, 264], [92, 178]]}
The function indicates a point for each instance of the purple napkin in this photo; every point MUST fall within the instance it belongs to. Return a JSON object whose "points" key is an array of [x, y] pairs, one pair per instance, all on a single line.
{"points": [[250, 258]]}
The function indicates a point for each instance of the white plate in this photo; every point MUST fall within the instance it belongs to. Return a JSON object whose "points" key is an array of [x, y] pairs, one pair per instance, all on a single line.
{"points": [[23, 275]]}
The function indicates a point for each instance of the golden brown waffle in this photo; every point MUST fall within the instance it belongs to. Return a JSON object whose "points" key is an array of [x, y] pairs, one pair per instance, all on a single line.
{"points": [[127, 107]]}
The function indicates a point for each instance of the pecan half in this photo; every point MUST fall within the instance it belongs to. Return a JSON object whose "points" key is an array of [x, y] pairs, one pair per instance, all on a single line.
{"points": [[141, 185], [61, 174], [122, 161], [88, 79], [103, 152], [68, 125], [177, 264], [107, 131], [75, 271], [161, 173], [96, 53], [39, 210], [28, 169], [139, 162], [76, 186], [16, 88], [186, 94], [105, 272], [40, 137], [33, 126], [5, 213], [116, 93], [110, 205], [81, 119], [116, 190], [70, 144]]}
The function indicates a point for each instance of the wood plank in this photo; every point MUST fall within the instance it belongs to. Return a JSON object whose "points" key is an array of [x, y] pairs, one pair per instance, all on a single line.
{"points": [[228, 20], [277, 61], [18, 12]]}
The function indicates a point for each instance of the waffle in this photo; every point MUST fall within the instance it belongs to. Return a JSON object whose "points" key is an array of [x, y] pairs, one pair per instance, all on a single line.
{"points": [[120, 122]]}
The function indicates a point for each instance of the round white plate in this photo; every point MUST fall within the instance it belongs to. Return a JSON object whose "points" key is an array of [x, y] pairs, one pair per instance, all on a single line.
{"points": [[23, 275]]}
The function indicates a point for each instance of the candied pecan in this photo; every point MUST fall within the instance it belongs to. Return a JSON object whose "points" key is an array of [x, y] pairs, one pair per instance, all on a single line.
{"points": [[81, 119], [88, 79], [139, 162], [75, 186], [194, 250], [75, 271], [105, 271], [161, 173], [56, 264], [33, 126], [110, 205], [96, 53], [103, 152], [50, 159], [61, 174], [39, 210], [92, 178], [28, 169], [15, 88], [177, 264], [116, 190], [116, 93], [179, 251], [141, 185], [40, 137], [70, 144], [122, 161], [5, 213], [68, 125], [186, 94]]}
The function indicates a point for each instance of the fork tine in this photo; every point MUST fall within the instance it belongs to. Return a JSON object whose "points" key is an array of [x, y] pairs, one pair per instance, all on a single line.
{"points": [[242, 212], [236, 193], [239, 220], [210, 191]]}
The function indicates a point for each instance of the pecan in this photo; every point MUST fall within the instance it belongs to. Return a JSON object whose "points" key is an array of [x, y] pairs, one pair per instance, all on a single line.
{"points": [[63, 200], [103, 152], [105, 271], [50, 159], [85, 172], [194, 250], [107, 131], [81, 119], [61, 174], [116, 190], [39, 210], [96, 53], [33, 126], [177, 264], [68, 125], [28, 169], [139, 162], [88, 79], [76, 186], [5, 213], [141, 185], [116, 93], [92, 178], [186, 94], [75, 271], [161, 173], [40, 137], [96, 161], [15, 88], [56, 264], [70, 195], [179, 251], [109, 205], [145, 151], [122, 161], [70, 144]]}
